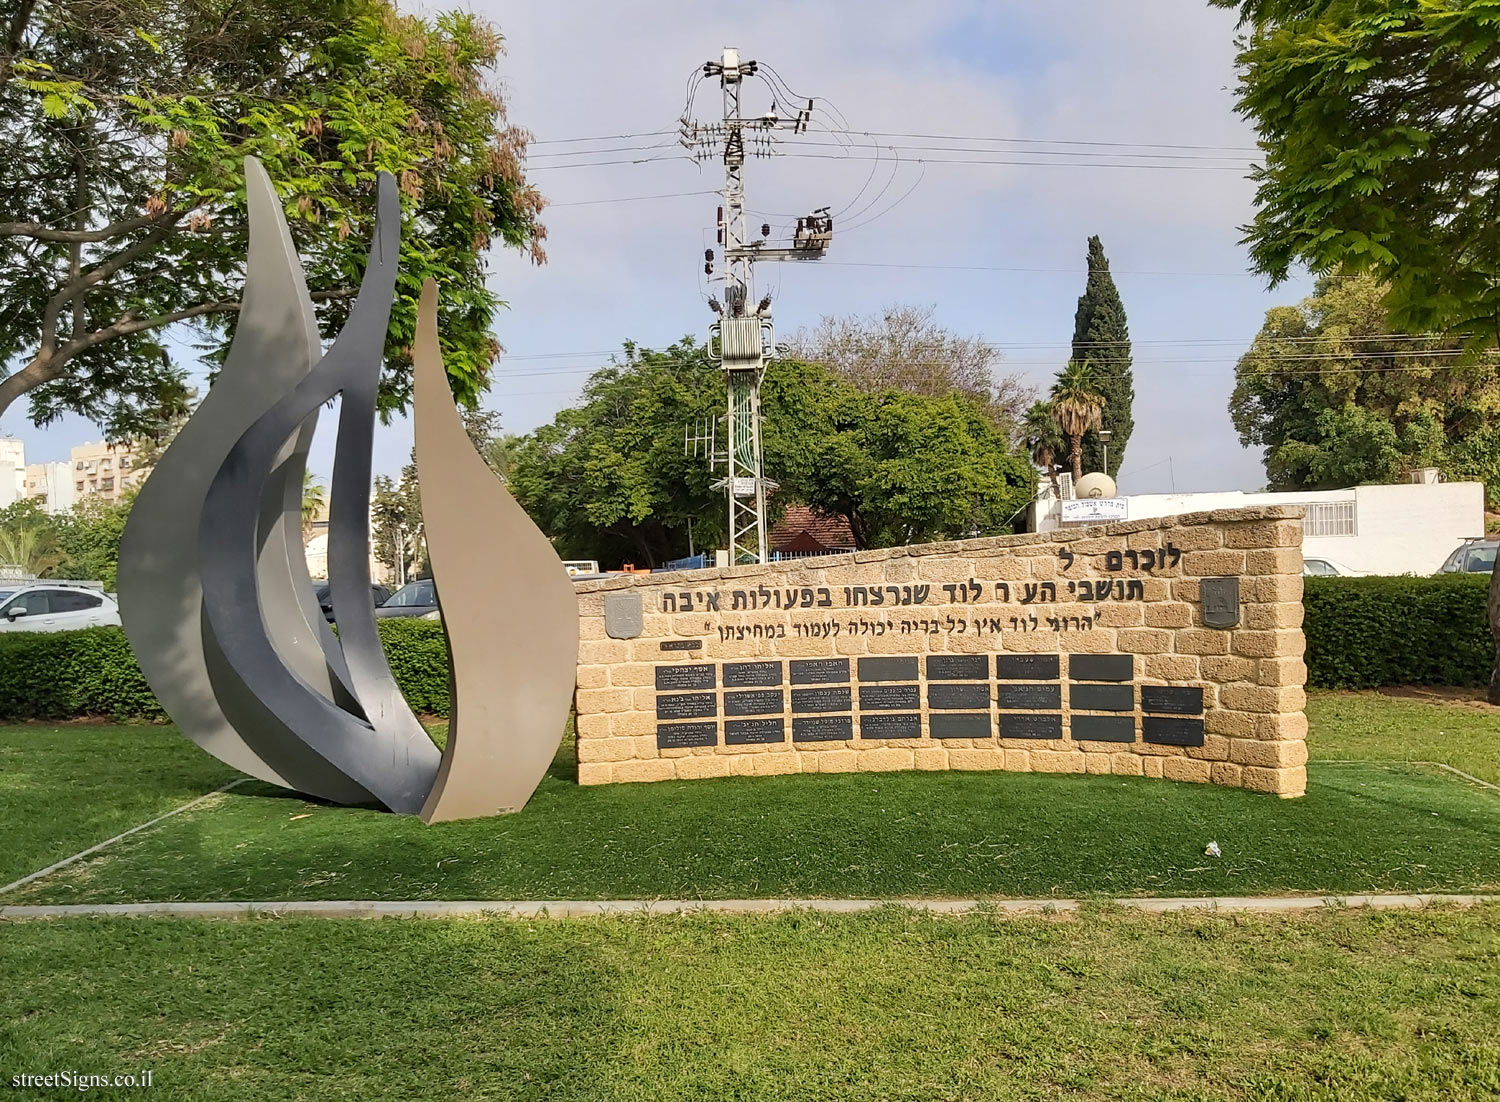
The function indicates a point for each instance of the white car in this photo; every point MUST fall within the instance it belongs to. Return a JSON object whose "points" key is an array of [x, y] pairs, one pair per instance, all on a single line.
{"points": [[57, 606], [1328, 568]]}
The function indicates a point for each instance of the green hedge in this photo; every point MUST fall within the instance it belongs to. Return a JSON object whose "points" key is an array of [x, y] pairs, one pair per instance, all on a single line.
{"points": [[1361, 633], [69, 674]]}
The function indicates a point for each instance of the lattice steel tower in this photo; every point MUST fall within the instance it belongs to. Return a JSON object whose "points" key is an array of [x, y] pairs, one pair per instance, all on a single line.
{"points": [[743, 336]]}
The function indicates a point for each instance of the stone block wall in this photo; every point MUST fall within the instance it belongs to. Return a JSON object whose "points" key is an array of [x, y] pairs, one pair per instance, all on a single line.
{"points": [[1169, 648]]}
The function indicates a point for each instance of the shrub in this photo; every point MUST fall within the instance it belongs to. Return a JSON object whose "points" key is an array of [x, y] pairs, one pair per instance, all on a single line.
{"points": [[59, 675], [1363, 633], [70, 674]]}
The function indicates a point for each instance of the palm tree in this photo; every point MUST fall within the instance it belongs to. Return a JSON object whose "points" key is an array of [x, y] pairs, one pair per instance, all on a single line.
{"points": [[1040, 435], [34, 551], [1078, 407], [312, 503]]}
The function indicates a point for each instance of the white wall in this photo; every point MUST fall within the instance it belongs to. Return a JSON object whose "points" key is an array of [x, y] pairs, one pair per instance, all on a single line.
{"points": [[1407, 528], [12, 470]]}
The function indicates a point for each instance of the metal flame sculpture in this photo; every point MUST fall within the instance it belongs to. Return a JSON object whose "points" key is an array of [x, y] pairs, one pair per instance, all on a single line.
{"points": [[214, 589]]}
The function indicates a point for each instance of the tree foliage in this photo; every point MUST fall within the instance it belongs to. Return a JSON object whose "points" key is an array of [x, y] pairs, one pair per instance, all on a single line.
{"points": [[615, 478], [123, 125], [903, 348], [1377, 125], [1335, 400], [83, 544], [1101, 337]]}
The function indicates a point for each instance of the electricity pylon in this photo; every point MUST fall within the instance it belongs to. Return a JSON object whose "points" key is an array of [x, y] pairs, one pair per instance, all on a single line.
{"points": [[744, 336]]}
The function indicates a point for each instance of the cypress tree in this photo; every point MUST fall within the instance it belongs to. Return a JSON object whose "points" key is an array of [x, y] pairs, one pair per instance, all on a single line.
{"points": [[1102, 337]]}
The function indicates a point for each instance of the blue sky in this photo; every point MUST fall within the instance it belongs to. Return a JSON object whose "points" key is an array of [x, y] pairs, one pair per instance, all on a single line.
{"points": [[1080, 71]]}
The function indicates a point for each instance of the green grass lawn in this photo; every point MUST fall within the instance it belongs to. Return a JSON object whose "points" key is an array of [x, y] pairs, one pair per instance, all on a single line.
{"points": [[1361, 828], [1334, 1005], [1374, 726]]}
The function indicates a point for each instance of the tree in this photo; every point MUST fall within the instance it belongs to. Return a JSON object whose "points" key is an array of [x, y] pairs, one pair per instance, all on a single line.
{"points": [[30, 549], [123, 124], [90, 538], [312, 503], [910, 468], [1377, 127], [902, 348], [1078, 407], [1379, 146], [82, 544], [1043, 439], [610, 479], [398, 538], [1102, 338], [1335, 400]]}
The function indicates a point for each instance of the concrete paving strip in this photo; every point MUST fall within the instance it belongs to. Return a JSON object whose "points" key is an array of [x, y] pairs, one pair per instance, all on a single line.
{"points": [[585, 908]]}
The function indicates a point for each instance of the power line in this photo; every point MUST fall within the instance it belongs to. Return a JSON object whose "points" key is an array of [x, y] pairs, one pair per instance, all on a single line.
{"points": [[630, 199]]}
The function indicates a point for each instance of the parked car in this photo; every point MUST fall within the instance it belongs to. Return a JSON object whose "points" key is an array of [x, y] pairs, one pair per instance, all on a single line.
{"points": [[379, 595], [417, 598], [57, 606], [1474, 557], [1327, 568]]}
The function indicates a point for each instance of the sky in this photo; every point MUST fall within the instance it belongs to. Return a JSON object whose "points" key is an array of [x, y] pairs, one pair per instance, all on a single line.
{"points": [[998, 249]]}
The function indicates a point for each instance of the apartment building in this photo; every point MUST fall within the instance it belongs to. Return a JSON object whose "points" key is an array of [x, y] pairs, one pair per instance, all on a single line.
{"points": [[107, 470]]}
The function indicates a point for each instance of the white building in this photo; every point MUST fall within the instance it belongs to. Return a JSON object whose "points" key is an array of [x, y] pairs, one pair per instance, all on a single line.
{"points": [[1406, 528], [12, 470], [52, 485]]}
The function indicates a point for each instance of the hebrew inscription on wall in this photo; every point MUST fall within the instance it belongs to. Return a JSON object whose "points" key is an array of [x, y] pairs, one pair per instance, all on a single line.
{"points": [[1089, 651]]}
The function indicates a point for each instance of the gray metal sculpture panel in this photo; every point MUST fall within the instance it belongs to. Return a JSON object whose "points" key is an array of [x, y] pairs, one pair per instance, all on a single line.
{"points": [[387, 753], [214, 587], [159, 583], [512, 622]]}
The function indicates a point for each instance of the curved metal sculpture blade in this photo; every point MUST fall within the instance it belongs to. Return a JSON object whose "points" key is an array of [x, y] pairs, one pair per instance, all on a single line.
{"points": [[275, 344], [513, 637], [389, 756]]}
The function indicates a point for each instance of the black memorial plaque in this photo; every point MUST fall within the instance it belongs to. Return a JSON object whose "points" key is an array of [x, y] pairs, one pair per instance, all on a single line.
{"points": [[1165, 731], [742, 732], [888, 669], [819, 671], [1030, 725], [679, 736], [822, 728], [1182, 700], [695, 675], [754, 702], [1102, 698], [958, 697], [741, 675], [890, 725], [1030, 698], [832, 699], [682, 644], [1103, 728], [958, 667], [1101, 667], [686, 706], [1026, 667], [888, 698], [961, 725]]}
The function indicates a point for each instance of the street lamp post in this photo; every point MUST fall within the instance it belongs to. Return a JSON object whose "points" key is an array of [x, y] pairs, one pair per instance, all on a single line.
{"points": [[1104, 438]]}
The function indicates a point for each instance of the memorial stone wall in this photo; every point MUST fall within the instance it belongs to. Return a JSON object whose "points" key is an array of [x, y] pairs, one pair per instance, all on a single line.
{"points": [[1164, 648]]}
